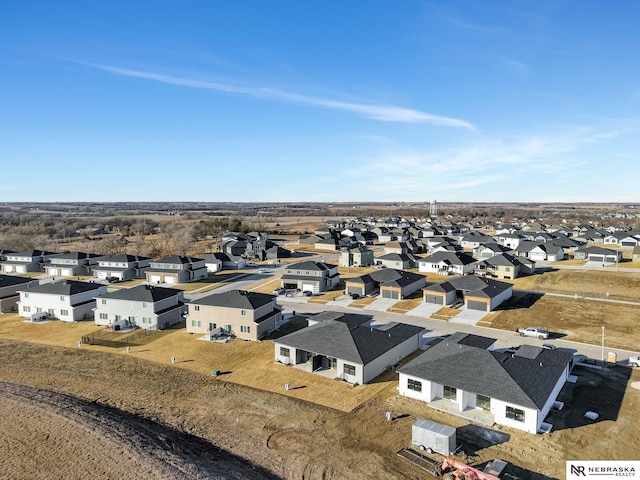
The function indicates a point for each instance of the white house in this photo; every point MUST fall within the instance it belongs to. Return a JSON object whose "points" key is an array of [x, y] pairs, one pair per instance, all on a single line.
{"points": [[28, 261], [176, 269], [122, 267], [347, 346], [447, 263], [72, 264], [462, 375], [145, 306], [68, 300]]}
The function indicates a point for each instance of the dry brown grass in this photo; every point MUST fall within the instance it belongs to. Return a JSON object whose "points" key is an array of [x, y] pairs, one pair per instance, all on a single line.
{"points": [[405, 305], [362, 302]]}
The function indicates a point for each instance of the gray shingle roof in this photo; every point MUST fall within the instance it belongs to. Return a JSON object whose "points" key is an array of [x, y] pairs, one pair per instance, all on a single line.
{"points": [[236, 299], [126, 258], [143, 293], [526, 379], [10, 280], [66, 287], [452, 258], [470, 284], [345, 337]]}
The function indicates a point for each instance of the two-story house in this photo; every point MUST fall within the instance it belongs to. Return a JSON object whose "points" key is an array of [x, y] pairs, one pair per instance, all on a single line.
{"points": [[68, 300], [122, 267], [310, 276], [27, 261], [72, 264], [145, 306], [176, 269], [9, 287], [246, 315]]}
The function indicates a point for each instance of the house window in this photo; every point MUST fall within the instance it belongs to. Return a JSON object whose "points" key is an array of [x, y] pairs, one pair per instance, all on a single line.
{"points": [[118, 318], [51, 312], [195, 323], [62, 298], [515, 414], [349, 369], [132, 319], [104, 302], [245, 329], [196, 308], [26, 295], [144, 305], [483, 402], [38, 310], [146, 320], [26, 309], [243, 312], [284, 352], [64, 313], [414, 385], [104, 316], [450, 392], [507, 269], [227, 328]]}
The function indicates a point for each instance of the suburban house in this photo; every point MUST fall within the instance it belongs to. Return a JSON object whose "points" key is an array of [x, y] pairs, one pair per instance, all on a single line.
{"points": [[72, 264], [246, 315], [598, 254], [68, 300], [122, 267], [448, 263], [3, 254], [477, 293], [505, 266], [397, 260], [474, 240], [463, 375], [310, 276], [509, 240], [389, 282], [25, 262], [540, 251], [10, 285], [222, 261], [176, 269], [347, 346], [355, 257], [624, 239], [145, 306], [489, 250]]}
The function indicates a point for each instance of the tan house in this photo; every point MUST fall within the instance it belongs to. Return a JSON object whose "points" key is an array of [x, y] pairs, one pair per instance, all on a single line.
{"points": [[246, 315]]}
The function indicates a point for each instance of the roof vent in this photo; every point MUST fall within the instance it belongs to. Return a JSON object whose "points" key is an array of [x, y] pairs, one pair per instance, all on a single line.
{"points": [[540, 363]]}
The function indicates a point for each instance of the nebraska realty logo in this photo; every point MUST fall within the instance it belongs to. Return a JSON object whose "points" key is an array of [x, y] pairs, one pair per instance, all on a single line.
{"points": [[605, 468]]}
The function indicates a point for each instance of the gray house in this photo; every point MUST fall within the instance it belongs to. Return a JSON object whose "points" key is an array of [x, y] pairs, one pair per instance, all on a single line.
{"points": [[400, 261], [145, 306], [310, 276], [476, 293], [347, 346], [72, 264], [176, 269], [389, 282]]}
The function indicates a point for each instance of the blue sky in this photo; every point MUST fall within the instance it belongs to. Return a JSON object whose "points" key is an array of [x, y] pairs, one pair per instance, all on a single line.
{"points": [[510, 101]]}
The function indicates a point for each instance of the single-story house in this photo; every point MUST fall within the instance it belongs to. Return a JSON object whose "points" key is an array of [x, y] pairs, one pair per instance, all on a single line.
{"points": [[397, 260], [448, 263], [474, 239], [598, 254], [310, 276], [246, 315], [68, 300], [489, 250], [624, 239], [391, 283], [10, 285], [122, 267], [477, 293], [176, 269], [462, 374], [347, 346], [540, 251], [145, 306]]}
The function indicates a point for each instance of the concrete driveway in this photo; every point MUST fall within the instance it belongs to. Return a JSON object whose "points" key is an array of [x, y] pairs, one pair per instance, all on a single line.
{"points": [[468, 317]]}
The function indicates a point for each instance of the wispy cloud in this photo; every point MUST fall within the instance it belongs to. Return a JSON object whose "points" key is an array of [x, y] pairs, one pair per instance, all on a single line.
{"points": [[387, 113]]}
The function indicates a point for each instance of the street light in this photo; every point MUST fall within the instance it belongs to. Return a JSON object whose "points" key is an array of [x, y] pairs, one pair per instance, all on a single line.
{"points": [[602, 343]]}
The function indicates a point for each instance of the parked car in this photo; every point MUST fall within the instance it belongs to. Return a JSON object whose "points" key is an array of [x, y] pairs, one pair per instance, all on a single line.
{"points": [[541, 333], [354, 296], [634, 361], [307, 293], [279, 291], [548, 346]]}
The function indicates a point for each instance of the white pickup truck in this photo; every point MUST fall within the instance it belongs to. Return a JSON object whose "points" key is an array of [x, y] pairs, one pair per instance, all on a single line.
{"points": [[634, 361], [541, 333]]}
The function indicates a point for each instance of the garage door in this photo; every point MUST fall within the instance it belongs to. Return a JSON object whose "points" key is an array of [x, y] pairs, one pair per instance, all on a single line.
{"points": [[473, 305], [596, 258], [356, 290], [154, 278], [435, 299], [308, 287], [629, 244], [390, 294], [66, 272], [170, 280]]}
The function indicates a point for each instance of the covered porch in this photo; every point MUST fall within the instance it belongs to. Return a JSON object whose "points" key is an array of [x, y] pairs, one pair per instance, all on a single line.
{"points": [[476, 415]]}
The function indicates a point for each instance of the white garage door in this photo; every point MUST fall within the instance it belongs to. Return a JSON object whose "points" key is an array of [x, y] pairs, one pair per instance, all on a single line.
{"points": [[154, 278], [66, 272], [171, 280], [307, 287]]}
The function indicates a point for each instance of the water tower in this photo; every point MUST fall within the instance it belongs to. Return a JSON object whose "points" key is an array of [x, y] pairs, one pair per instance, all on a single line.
{"points": [[433, 209]]}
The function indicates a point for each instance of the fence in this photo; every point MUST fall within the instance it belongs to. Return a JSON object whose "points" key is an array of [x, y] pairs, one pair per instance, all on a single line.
{"points": [[116, 340]]}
